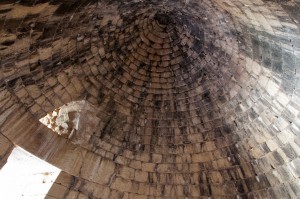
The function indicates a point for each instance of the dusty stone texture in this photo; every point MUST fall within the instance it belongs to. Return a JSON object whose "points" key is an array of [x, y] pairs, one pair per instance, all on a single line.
{"points": [[155, 99], [6, 147]]}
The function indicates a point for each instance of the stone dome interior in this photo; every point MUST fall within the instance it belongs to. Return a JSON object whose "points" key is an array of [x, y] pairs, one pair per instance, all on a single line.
{"points": [[155, 99]]}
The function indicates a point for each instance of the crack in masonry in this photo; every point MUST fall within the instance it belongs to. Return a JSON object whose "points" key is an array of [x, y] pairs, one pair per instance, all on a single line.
{"points": [[70, 187], [112, 178]]}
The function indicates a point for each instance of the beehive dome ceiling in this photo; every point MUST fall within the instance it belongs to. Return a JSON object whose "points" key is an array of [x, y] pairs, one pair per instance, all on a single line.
{"points": [[155, 99]]}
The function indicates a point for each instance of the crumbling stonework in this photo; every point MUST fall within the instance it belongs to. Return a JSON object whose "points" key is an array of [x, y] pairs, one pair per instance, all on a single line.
{"points": [[155, 99], [75, 121]]}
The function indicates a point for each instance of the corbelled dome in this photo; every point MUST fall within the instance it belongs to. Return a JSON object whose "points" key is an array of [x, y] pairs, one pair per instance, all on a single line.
{"points": [[155, 99]]}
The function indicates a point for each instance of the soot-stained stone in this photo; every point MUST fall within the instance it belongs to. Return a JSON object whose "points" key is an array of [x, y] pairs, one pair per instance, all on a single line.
{"points": [[198, 45], [11, 83], [8, 42], [164, 18], [66, 7], [12, 25]]}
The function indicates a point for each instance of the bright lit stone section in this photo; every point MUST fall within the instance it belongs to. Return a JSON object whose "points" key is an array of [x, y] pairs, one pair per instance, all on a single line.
{"points": [[26, 176], [64, 120], [75, 121]]}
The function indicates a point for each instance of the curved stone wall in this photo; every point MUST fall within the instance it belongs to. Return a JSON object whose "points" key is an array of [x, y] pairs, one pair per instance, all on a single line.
{"points": [[183, 99]]}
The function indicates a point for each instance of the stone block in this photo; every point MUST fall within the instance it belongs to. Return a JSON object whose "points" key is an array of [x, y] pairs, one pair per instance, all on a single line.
{"points": [[148, 167], [121, 185], [90, 166], [126, 172], [6, 147], [58, 191], [104, 172], [141, 176], [202, 157]]}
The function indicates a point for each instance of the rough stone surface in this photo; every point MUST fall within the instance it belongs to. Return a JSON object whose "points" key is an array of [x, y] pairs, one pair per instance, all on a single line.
{"points": [[155, 99], [6, 148]]}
